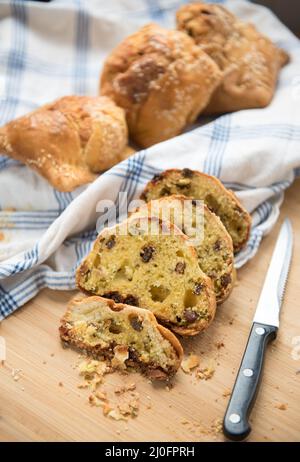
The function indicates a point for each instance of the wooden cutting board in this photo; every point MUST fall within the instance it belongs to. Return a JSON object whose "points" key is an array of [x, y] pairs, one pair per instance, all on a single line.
{"points": [[45, 403]]}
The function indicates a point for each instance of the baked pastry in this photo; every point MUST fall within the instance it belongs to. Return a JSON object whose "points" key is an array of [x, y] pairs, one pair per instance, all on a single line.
{"points": [[205, 231], [123, 334], [250, 62], [161, 79], [218, 199], [68, 141], [148, 263]]}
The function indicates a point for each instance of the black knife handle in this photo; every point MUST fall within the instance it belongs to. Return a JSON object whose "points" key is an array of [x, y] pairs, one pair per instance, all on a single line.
{"points": [[236, 425]]}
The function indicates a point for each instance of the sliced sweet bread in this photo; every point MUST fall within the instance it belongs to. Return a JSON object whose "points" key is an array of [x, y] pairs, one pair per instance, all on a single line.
{"points": [[137, 261], [125, 335], [207, 233], [218, 199]]}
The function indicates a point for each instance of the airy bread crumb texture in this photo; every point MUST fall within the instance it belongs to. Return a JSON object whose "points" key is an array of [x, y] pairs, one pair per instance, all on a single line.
{"points": [[135, 263], [206, 232]]}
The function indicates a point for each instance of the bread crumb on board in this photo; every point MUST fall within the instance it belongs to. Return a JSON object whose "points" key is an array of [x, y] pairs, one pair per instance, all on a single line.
{"points": [[101, 395], [205, 373], [213, 429], [123, 389], [281, 406], [226, 393], [190, 363], [184, 421], [106, 409], [217, 426], [124, 402], [16, 374], [116, 415]]}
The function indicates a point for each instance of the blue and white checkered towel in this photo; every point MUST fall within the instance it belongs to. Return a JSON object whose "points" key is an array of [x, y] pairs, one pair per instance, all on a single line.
{"points": [[54, 49]]}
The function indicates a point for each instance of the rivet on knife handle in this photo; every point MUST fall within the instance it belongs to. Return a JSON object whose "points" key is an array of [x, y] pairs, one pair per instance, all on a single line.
{"points": [[236, 424]]}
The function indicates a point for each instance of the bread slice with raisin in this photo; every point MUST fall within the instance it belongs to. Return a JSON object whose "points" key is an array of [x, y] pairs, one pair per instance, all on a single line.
{"points": [[205, 231], [135, 263], [123, 334], [218, 199]]}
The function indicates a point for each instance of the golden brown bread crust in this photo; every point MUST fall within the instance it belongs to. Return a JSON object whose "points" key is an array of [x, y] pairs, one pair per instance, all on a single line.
{"points": [[161, 79], [250, 62], [68, 141], [153, 190], [167, 334], [68, 335]]}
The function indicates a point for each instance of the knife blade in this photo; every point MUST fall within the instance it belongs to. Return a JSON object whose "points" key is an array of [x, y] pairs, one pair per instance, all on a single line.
{"points": [[264, 329], [270, 300]]}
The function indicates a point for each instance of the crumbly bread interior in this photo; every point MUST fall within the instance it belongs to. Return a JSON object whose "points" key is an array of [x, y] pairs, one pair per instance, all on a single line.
{"points": [[211, 239], [104, 328], [218, 199], [151, 268]]}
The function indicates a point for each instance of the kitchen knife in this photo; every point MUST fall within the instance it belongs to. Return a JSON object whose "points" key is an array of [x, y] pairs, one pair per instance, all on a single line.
{"points": [[264, 329]]}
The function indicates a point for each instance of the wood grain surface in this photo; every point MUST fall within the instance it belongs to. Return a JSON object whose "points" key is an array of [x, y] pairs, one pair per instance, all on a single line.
{"points": [[45, 404]]}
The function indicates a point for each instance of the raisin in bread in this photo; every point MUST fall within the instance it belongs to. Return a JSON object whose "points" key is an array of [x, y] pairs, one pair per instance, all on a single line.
{"points": [[123, 334], [135, 263], [207, 233], [218, 199]]}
